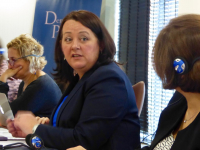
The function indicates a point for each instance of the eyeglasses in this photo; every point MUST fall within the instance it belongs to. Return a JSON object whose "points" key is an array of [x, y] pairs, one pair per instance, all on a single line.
{"points": [[12, 61]]}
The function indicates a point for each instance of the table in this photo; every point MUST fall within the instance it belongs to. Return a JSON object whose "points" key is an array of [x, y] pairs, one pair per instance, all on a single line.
{"points": [[12, 140]]}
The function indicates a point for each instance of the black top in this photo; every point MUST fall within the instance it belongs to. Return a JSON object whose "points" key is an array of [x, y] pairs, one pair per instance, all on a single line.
{"points": [[170, 118], [100, 113], [40, 96]]}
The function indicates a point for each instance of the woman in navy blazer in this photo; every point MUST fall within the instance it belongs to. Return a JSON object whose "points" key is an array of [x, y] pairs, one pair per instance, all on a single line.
{"points": [[98, 109]]}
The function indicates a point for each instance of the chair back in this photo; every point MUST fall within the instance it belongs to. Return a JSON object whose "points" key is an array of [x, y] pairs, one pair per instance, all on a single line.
{"points": [[139, 90]]}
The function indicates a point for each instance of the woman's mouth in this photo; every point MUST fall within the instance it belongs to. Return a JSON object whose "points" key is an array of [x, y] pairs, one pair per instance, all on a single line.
{"points": [[76, 55]]}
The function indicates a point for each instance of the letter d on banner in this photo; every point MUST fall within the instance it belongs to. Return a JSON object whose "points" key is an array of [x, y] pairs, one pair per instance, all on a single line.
{"points": [[47, 16]]}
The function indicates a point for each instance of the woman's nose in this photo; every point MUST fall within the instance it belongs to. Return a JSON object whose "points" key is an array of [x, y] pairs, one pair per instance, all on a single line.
{"points": [[75, 45]]}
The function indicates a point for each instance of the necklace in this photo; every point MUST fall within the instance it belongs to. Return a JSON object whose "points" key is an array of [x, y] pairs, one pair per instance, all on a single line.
{"points": [[185, 120]]}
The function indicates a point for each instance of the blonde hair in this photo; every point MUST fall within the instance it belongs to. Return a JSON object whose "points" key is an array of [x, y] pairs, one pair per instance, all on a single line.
{"points": [[27, 45]]}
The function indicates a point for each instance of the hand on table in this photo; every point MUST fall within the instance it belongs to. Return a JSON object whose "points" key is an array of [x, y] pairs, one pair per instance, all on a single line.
{"points": [[22, 124], [14, 131], [43, 120]]}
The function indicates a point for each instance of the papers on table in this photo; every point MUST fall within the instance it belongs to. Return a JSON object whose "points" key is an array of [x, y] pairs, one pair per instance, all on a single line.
{"points": [[4, 132]]}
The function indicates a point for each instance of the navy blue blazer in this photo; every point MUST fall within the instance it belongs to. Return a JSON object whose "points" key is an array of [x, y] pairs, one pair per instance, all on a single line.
{"points": [[100, 113]]}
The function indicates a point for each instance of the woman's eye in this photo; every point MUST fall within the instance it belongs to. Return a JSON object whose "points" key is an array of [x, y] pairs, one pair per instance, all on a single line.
{"points": [[14, 59], [68, 39], [84, 39]]}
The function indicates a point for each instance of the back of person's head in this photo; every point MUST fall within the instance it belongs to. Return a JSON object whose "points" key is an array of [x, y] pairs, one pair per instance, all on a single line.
{"points": [[106, 43], [180, 38], [27, 45]]}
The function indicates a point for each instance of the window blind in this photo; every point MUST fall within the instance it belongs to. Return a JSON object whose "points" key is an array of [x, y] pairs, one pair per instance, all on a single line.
{"points": [[161, 11], [117, 25], [140, 23], [134, 45]]}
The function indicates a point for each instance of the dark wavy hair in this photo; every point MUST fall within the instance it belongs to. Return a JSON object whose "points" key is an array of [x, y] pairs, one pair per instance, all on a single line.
{"points": [[180, 38], [64, 72]]}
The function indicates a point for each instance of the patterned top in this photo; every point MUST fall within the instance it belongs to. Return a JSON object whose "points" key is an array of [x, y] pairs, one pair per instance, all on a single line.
{"points": [[165, 144], [13, 84]]}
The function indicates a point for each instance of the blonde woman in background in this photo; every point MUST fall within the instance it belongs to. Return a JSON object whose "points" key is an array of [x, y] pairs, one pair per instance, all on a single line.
{"points": [[37, 92], [14, 83]]}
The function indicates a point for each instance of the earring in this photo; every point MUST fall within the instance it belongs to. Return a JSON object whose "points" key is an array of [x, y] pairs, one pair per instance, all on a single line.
{"points": [[64, 58]]}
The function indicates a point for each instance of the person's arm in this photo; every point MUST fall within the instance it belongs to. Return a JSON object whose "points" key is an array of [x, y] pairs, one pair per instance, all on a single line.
{"points": [[4, 88], [40, 97], [26, 101], [9, 73], [105, 104]]}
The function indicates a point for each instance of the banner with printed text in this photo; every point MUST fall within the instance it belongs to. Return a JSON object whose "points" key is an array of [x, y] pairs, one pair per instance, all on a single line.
{"points": [[48, 16]]}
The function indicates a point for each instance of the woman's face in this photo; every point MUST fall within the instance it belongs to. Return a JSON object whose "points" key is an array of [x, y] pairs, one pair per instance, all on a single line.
{"points": [[80, 46], [13, 54]]}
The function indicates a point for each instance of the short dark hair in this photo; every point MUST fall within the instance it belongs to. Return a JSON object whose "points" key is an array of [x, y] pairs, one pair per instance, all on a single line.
{"points": [[180, 38], [64, 72]]}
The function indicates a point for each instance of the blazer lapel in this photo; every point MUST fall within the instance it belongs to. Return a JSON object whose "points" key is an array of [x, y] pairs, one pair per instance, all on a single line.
{"points": [[73, 91], [70, 87]]}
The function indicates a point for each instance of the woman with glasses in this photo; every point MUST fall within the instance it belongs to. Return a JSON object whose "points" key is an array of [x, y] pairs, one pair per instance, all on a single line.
{"points": [[14, 83], [37, 92]]}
